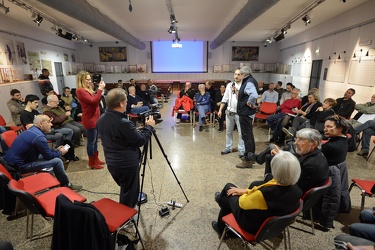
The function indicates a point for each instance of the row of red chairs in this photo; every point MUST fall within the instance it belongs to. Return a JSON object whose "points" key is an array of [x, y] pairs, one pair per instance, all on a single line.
{"points": [[39, 192]]}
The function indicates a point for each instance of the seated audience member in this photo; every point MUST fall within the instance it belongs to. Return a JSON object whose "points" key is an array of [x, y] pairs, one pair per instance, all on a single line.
{"points": [[186, 92], [52, 92], [276, 197], [15, 105], [344, 241], [145, 95], [270, 95], [30, 152], [62, 119], [212, 92], [60, 136], [361, 234], [314, 165], [366, 112], [120, 85], [69, 103], [202, 104], [153, 91], [78, 113], [306, 116], [366, 228], [288, 107], [345, 105], [305, 99], [336, 148], [136, 86], [368, 130], [323, 112], [287, 93], [279, 89], [135, 104], [218, 98]]}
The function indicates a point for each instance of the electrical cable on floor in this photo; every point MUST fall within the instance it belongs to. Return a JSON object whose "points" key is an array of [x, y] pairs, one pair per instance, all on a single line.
{"points": [[98, 192]]}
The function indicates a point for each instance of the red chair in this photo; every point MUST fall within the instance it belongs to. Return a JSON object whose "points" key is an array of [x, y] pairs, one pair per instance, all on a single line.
{"points": [[208, 113], [117, 216], [8, 137], [365, 186], [265, 110], [271, 228], [43, 204], [16, 129], [372, 151], [312, 196]]}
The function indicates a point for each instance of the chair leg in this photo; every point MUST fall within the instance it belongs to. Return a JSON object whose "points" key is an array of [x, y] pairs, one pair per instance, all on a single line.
{"points": [[363, 200], [222, 237], [312, 221], [368, 157]]}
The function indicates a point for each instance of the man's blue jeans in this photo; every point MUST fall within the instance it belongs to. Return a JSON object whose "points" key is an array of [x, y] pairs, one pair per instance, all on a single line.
{"points": [[365, 229], [55, 163]]}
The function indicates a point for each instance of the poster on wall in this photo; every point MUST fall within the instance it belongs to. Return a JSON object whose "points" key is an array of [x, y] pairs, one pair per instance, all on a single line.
{"points": [[21, 52], [10, 53], [46, 64], [34, 61], [66, 57], [113, 54], [73, 58], [245, 53]]}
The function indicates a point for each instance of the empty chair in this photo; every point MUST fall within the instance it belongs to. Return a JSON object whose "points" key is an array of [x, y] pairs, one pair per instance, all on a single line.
{"points": [[312, 196], [265, 109], [366, 187], [16, 129], [8, 137], [43, 204], [100, 221], [271, 228]]}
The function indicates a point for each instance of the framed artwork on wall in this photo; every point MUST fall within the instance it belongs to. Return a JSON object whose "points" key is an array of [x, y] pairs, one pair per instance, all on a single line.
{"points": [[48, 65], [113, 54], [245, 53], [133, 68], [34, 61]]}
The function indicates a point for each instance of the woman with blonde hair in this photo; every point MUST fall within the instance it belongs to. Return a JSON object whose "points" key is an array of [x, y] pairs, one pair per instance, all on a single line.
{"points": [[89, 100]]}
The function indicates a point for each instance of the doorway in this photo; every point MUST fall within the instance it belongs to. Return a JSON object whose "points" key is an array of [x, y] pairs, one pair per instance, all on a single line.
{"points": [[59, 77], [316, 69]]}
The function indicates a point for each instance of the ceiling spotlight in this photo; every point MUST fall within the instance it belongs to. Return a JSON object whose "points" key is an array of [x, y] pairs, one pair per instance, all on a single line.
{"points": [[173, 18], [130, 6], [172, 29], [283, 30], [306, 19], [279, 37], [3, 8], [269, 40], [341, 53], [38, 20]]}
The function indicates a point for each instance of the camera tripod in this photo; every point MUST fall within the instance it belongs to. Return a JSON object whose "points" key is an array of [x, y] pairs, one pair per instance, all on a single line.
{"points": [[143, 162]]}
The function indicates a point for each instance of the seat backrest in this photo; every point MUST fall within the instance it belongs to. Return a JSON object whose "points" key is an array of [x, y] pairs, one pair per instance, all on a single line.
{"points": [[29, 200], [2, 121], [5, 176], [311, 197], [274, 226], [268, 108], [9, 137]]}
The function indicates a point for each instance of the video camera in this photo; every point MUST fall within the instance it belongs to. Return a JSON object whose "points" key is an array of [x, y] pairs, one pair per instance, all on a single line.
{"points": [[156, 115]]}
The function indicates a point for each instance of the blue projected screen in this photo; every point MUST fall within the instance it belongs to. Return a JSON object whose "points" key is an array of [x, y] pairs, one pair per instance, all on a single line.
{"points": [[192, 57]]}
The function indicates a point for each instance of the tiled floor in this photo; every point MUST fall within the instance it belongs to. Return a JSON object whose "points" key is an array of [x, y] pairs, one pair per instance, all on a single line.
{"points": [[201, 171]]}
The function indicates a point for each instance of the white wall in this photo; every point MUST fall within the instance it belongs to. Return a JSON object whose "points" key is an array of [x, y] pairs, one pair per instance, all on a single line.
{"points": [[330, 37]]}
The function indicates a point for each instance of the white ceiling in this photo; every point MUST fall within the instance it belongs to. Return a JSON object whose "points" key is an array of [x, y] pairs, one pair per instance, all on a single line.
{"points": [[197, 19]]}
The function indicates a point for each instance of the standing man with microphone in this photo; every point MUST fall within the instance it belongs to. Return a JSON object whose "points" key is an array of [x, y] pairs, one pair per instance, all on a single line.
{"points": [[231, 116]]}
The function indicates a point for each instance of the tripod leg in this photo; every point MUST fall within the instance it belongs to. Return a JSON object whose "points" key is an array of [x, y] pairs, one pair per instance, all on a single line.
{"points": [[142, 163], [169, 164]]}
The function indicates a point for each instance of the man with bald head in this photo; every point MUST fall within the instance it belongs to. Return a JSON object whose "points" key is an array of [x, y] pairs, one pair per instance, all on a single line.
{"points": [[30, 152], [62, 119]]}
